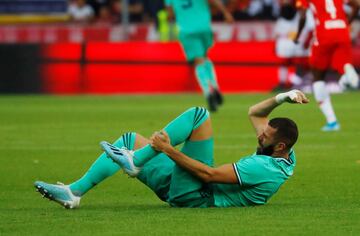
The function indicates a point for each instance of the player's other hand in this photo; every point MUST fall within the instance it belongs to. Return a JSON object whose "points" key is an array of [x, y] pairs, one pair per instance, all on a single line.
{"points": [[228, 17], [160, 141], [293, 96]]}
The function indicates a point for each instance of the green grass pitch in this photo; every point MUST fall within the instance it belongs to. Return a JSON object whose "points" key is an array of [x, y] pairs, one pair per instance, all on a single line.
{"points": [[56, 139]]}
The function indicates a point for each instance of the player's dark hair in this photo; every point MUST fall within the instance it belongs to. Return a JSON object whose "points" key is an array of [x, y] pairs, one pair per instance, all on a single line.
{"points": [[286, 131]]}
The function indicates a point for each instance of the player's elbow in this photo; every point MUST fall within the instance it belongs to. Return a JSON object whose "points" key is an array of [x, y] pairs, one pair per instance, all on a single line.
{"points": [[208, 176], [251, 111], [213, 175]]}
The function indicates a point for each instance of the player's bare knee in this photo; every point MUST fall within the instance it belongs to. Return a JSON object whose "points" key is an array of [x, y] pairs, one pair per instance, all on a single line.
{"points": [[140, 141], [203, 131], [199, 114], [198, 61]]}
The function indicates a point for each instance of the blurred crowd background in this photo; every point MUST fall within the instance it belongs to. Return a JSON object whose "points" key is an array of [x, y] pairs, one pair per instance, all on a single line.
{"points": [[146, 10], [98, 46], [110, 11]]}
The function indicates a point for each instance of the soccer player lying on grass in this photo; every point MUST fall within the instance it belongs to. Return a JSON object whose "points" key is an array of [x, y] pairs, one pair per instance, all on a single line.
{"points": [[186, 178]]}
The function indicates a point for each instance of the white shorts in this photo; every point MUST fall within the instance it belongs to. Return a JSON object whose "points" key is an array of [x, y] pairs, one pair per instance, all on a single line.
{"points": [[286, 48]]}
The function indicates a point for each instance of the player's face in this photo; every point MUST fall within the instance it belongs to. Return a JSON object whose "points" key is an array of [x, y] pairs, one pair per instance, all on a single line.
{"points": [[266, 141]]}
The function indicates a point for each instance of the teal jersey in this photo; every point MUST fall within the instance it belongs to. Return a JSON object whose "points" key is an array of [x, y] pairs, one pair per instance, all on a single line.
{"points": [[192, 16], [259, 178]]}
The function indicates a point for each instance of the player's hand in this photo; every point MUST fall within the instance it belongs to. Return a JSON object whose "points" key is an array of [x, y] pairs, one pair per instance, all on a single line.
{"points": [[293, 96], [228, 17], [160, 141]]}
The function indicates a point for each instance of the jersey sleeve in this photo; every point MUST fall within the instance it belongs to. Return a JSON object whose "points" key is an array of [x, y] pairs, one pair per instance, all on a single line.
{"points": [[302, 4], [249, 171]]}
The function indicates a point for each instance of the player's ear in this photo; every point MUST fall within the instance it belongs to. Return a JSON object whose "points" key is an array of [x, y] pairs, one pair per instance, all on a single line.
{"points": [[280, 147]]}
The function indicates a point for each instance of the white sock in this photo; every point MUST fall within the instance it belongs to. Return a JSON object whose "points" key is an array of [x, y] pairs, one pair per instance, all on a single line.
{"points": [[322, 96], [283, 74], [295, 79]]}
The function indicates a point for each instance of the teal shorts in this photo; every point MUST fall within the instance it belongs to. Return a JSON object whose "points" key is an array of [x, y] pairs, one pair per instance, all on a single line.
{"points": [[196, 45], [176, 186]]}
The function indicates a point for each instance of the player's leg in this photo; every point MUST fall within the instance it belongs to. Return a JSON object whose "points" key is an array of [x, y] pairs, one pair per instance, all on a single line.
{"points": [[185, 189], [195, 53], [203, 77], [212, 74], [192, 47], [301, 69], [158, 173], [179, 130], [322, 96], [284, 48], [216, 92], [350, 78], [283, 72], [342, 63], [208, 42], [319, 61], [102, 168]]}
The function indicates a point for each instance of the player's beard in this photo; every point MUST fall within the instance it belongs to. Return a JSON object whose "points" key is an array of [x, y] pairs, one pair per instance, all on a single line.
{"points": [[267, 151], [261, 150]]}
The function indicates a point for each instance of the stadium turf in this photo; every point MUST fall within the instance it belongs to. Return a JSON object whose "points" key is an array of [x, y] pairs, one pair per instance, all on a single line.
{"points": [[56, 139]]}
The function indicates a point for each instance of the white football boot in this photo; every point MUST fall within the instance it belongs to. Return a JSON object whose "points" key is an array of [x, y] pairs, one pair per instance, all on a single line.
{"points": [[123, 157], [59, 193]]}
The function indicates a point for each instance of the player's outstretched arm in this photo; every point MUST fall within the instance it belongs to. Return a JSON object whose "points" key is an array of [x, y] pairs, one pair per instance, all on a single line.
{"points": [[222, 174], [301, 25], [220, 6], [258, 113]]}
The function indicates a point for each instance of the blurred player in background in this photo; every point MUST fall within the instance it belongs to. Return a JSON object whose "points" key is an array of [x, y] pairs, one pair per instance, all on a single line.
{"points": [[187, 178], [193, 19], [292, 54], [330, 49], [80, 12]]}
